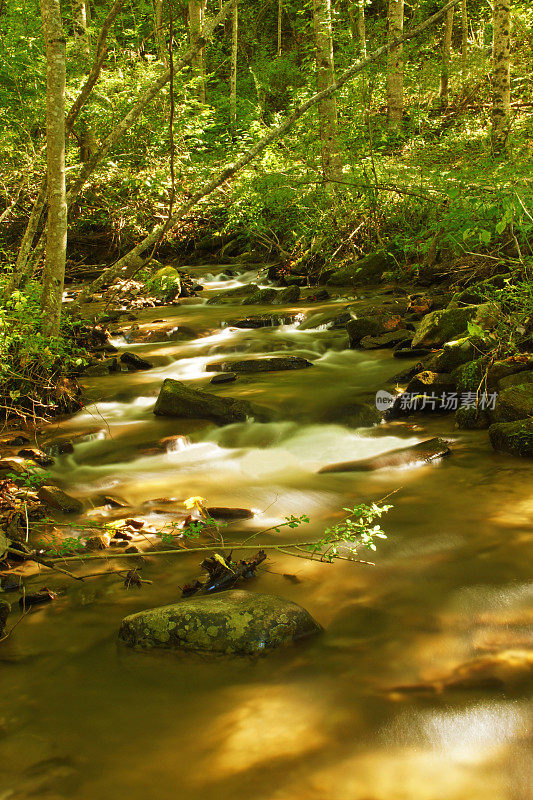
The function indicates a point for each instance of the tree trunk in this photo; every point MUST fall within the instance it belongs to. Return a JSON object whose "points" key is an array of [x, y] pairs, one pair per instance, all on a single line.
{"points": [[81, 21], [117, 269], [280, 20], [195, 32], [395, 65], [56, 239], [327, 108], [159, 32], [22, 271], [501, 75], [446, 55], [464, 41], [233, 68], [358, 25]]}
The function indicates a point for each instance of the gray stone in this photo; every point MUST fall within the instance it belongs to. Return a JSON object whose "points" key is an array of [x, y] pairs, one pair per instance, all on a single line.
{"points": [[234, 622], [423, 452], [260, 364], [176, 399], [515, 438], [56, 498], [453, 355]]}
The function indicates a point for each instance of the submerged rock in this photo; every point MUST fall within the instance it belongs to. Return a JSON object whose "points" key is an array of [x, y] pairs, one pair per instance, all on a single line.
{"points": [[233, 622], [515, 438], [56, 498], [423, 452], [176, 399], [260, 364], [224, 377]]}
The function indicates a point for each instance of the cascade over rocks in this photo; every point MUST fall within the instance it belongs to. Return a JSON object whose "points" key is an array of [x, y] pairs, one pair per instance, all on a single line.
{"points": [[231, 623]]}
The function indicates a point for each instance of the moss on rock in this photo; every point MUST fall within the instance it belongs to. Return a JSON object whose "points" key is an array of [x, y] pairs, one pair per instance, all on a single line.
{"points": [[515, 438], [514, 403], [178, 400], [234, 622]]}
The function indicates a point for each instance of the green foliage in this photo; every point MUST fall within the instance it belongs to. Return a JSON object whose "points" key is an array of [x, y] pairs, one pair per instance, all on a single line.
{"points": [[355, 530]]}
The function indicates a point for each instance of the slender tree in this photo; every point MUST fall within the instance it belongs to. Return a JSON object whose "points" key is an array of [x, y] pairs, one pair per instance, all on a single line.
{"points": [[159, 32], [356, 13], [233, 67], [501, 75], [395, 65], [327, 108], [464, 40], [446, 55], [280, 21], [85, 133], [56, 239], [195, 33]]}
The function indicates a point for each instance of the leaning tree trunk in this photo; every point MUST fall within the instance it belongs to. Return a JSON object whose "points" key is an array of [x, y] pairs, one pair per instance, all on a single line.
{"points": [[233, 67], [56, 239], [327, 108], [501, 75], [395, 65], [446, 55], [464, 41], [195, 33]]}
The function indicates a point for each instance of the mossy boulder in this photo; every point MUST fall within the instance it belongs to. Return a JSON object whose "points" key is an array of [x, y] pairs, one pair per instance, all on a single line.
{"points": [[469, 376], [5, 609], [289, 295], [166, 282], [234, 622], [178, 400], [471, 418], [515, 438], [364, 326], [233, 295], [260, 297], [518, 379], [448, 324], [453, 354], [514, 403], [390, 339], [504, 369], [366, 270]]}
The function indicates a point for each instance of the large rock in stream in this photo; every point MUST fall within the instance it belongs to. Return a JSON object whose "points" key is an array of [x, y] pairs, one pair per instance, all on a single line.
{"points": [[515, 438], [421, 453], [260, 364], [233, 622], [178, 400]]}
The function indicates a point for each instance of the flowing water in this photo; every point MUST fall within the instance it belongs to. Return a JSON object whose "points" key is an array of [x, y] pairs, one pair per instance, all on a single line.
{"points": [[358, 713]]}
